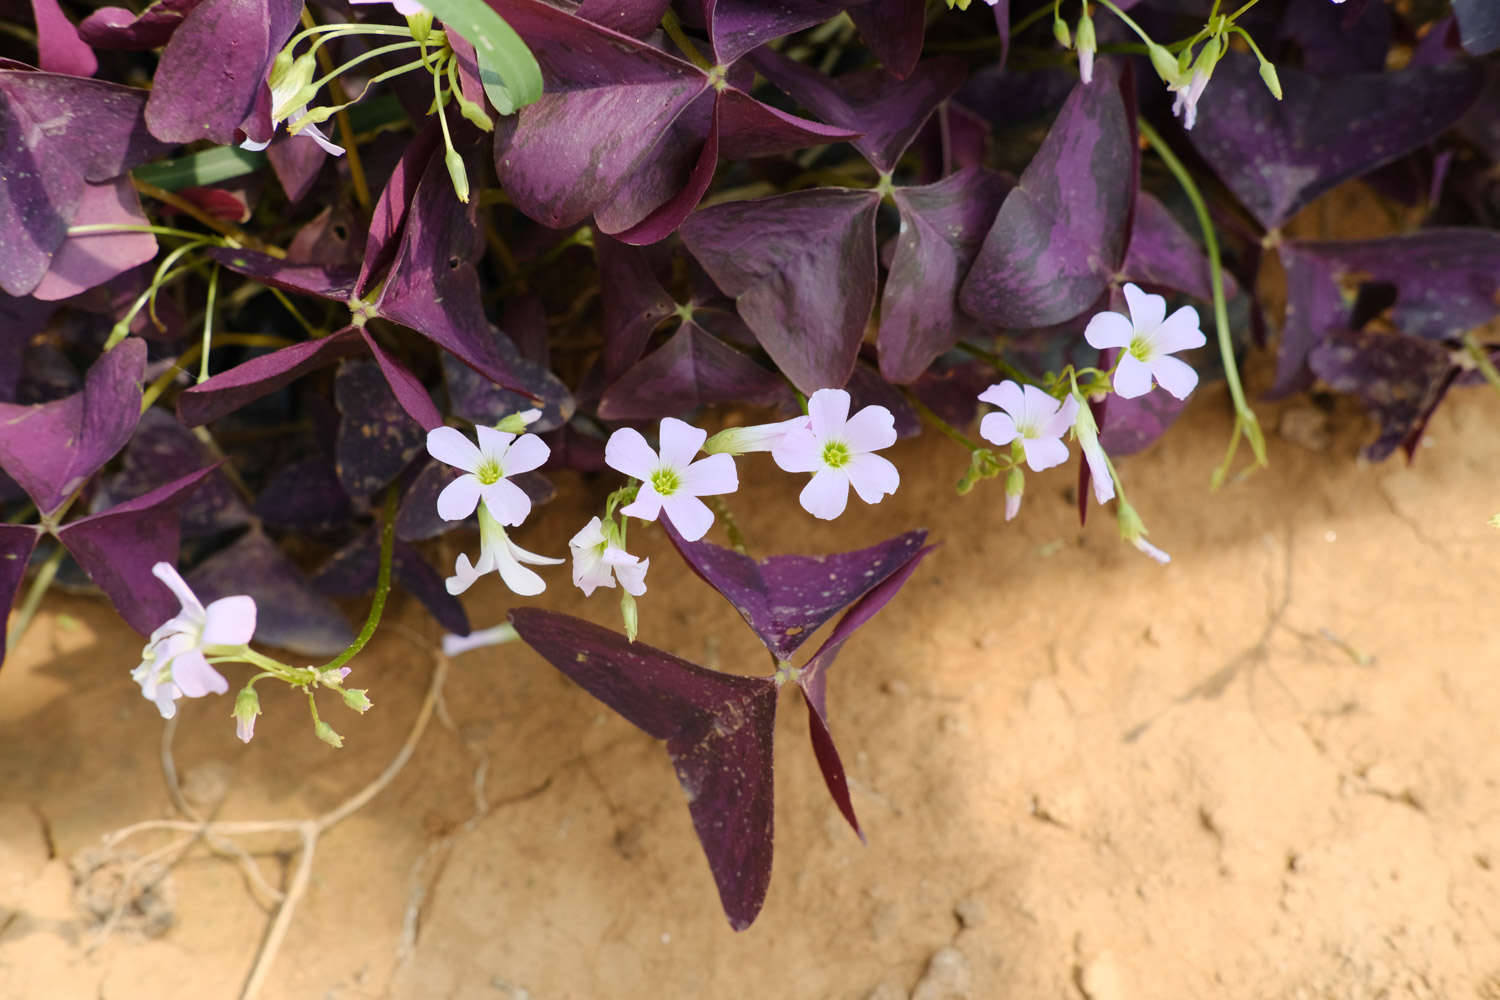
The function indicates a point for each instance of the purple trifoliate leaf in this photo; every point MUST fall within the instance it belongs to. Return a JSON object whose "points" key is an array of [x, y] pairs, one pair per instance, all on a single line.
{"points": [[289, 612], [632, 300], [1447, 281], [52, 449], [1401, 379], [376, 438], [1061, 233], [1276, 156], [354, 569], [121, 30], [16, 543], [118, 547], [297, 160], [1478, 25], [305, 496], [813, 680], [405, 386], [59, 49], [57, 133], [1163, 255], [637, 18], [893, 29], [867, 388], [157, 453], [801, 267], [1334, 40], [214, 67], [651, 202], [718, 728], [690, 370], [388, 220], [737, 26], [91, 259], [1315, 307], [942, 228], [887, 111], [785, 599], [260, 376], [334, 282]]}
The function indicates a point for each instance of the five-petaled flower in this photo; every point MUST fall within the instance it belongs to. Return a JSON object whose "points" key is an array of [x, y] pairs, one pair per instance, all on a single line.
{"points": [[486, 468], [1149, 337], [838, 450], [173, 663], [598, 561], [1188, 90], [1038, 420], [670, 480], [498, 553]]}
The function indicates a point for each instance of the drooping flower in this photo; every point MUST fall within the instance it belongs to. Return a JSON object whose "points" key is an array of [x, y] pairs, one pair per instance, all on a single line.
{"points": [[1088, 44], [598, 562], [1149, 337], [839, 451], [246, 708], [487, 468], [1038, 420], [478, 639], [757, 437], [670, 480], [499, 554], [173, 662], [1087, 433], [1188, 91], [289, 81]]}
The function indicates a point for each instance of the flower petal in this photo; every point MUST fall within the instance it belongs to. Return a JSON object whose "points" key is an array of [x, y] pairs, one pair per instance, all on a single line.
{"points": [[526, 556], [167, 573], [826, 494], [646, 505], [1109, 329], [798, 451], [1151, 550], [194, 677], [871, 429], [459, 498], [450, 446], [527, 452], [690, 516], [998, 428], [1044, 453], [1062, 419], [626, 451], [1180, 332], [520, 579], [492, 443], [680, 441], [507, 502], [829, 411], [872, 476], [1132, 378], [633, 576], [710, 476], [1040, 408], [1007, 395], [1104, 484], [1175, 375], [589, 536], [332, 149], [1146, 310], [464, 575], [229, 621]]}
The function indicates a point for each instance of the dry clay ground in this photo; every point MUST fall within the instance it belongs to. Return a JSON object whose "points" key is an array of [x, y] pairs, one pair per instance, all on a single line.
{"points": [[1269, 770]]}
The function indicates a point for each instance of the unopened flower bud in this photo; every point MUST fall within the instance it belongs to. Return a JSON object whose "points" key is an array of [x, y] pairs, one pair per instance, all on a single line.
{"points": [[327, 735], [246, 708], [357, 699], [1061, 33], [1165, 64], [628, 614], [1271, 80], [1087, 45], [1015, 485], [458, 173], [516, 423]]}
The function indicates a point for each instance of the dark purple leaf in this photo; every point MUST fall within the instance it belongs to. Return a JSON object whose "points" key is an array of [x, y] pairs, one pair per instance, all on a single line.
{"points": [[20, 320], [157, 453], [951, 389], [118, 548], [388, 221], [632, 301], [887, 111], [335, 238], [1276, 156], [334, 282], [305, 496], [118, 29], [289, 612], [942, 228], [59, 49], [16, 543], [1478, 24], [813, 679], [376, 439], [84, 261], [785, 599], [801, 267], [1447, 281], [1314, 307], [654, 199], [1400, 378], [737, 26], [353, 571], [1061, 232], [1163, 255], [893, 29], [690, 370], [1335, 41], [718, 728], [748, 128], [244, 383], [52, 449], [297, 161], [637, 18], [215, 65], [408, 391], [867, 388], [56, 133], [573, 449]]}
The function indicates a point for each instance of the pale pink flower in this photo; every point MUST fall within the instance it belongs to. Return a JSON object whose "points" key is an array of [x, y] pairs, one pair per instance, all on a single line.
{"points": [[598, 562], [487, 467], [1037, 419], [1087, 433], [838, 450], [670, 480], [499, 554], [173, 664], [1188, 91], [1148, 338]]}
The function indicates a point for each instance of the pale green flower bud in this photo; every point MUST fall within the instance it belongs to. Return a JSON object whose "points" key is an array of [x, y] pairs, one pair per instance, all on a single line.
{"points": [[327, 735]]}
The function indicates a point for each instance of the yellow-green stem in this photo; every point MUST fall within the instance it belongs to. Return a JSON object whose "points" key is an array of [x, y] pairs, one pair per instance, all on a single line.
{"points": [[382, 586], [33, 599]]}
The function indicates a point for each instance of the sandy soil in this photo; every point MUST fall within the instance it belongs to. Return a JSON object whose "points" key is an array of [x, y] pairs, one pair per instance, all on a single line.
{"points": [[1269, 770]]}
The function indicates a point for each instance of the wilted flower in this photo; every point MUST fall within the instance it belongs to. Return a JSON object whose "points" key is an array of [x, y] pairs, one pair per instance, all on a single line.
{"points": [[486, 467], [1148, 338], [498, 553], [671, 480], [837, 449], [173, 663], [598, 561], [1038, 420], [1087, 433], [1188, 91]]}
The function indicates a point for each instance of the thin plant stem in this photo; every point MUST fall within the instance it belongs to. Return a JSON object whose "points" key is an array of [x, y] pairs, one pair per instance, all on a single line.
{"points": [[208, 323], [942, 425], [382, 586], [1481, 358], [1245, 422], [233, 232], [341, 119], [33, 600]]}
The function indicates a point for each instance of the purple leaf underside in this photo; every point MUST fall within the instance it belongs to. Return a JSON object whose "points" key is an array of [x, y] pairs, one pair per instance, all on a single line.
{"points": [[894, 30], [1401, 379], [737, 26], [59, 49], [691, 370], [1163, 255], [260, 376], [119, 30], [157, 453], [84, 261]]}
